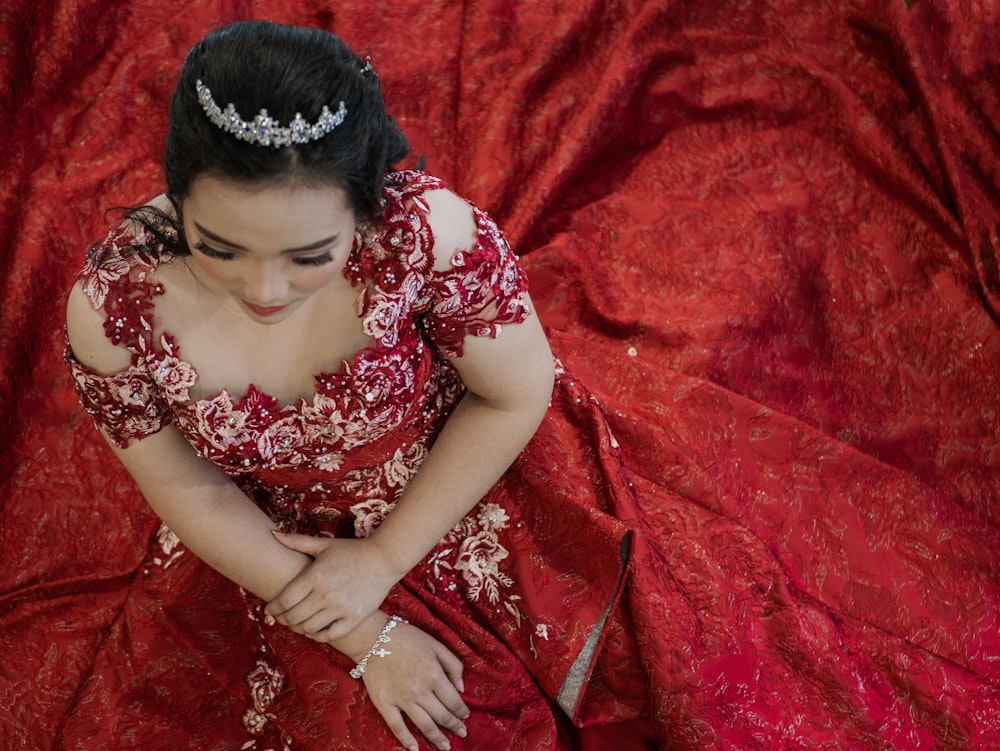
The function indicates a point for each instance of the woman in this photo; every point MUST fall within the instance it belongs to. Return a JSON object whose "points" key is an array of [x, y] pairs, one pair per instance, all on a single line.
{"points": [[327, 336], [327, 379]]}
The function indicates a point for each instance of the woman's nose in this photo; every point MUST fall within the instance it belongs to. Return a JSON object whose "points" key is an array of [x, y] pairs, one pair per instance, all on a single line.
{"points": [[266, 286]]}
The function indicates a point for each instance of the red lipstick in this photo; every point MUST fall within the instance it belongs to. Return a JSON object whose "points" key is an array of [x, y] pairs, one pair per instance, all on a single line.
{"points": [[264, 312]]}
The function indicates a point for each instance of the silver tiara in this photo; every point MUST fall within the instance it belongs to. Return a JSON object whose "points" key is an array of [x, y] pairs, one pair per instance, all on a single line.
{"points": [[264, 129]]}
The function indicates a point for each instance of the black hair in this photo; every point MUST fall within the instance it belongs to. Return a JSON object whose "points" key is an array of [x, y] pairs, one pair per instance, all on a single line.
{"points": [[257, 65]]}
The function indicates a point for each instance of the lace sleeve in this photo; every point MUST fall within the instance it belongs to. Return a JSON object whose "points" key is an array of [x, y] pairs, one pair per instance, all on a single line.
{"points": [[484, 289], [124, 405]]}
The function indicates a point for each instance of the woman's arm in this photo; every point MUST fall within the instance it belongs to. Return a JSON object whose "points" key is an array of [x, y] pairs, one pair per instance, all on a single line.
{"points": [[509, 381]]}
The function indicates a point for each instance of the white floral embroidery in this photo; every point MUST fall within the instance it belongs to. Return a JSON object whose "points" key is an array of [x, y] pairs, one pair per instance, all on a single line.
{"points": [[328, 462], [492, 517], [99, 274], [138, 425], [325, 513], [324, 420], [219, 422], [170, 544], [541, 632], [402, 467], [412, 284], [439, 563], [174, 377], [478, 560], [473, 548], [265, 683], [134, 390], [368, 515], [382, 319], [282, 438], [167, 539]]}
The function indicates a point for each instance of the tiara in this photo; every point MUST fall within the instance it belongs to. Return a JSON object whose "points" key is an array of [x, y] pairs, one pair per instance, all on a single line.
{"points": [[264, 129]]}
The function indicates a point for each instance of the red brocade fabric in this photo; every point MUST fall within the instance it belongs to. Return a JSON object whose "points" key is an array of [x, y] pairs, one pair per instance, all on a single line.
{"points": [[763, 237]]}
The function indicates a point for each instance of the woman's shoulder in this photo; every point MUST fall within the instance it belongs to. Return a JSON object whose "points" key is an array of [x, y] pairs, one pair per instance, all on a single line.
{"points": [[453, 225], [450, 218], [86, 335], [119, 276]]}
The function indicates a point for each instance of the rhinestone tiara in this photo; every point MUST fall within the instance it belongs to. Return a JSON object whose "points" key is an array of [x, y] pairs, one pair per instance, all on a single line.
{"points": [[264, 129]]}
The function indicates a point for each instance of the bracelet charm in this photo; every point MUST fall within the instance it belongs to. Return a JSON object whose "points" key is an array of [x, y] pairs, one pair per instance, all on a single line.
{"points": [[377, 649]]}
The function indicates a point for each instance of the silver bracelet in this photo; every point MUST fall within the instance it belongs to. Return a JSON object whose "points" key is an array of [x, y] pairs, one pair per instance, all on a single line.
{"points": [[359, 670]]}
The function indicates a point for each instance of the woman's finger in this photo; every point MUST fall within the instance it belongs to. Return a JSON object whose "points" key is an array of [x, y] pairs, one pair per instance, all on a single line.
{"points": [[343, 623], [444, 715], [452, 667], [318, 623], [308, 544], [452, 703], [297, 617], [428, 727], [294, 592], [394, 719]]}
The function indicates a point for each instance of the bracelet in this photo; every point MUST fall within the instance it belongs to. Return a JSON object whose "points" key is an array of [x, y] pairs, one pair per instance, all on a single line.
{"points": [[359, 670]]}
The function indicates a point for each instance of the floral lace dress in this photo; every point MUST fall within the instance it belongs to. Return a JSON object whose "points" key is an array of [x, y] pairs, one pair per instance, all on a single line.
{"points": [[521, 588], [725, 577]]}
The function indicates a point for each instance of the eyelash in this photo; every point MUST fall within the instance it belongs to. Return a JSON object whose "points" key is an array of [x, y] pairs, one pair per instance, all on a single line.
{"points": [[213, 253], [218, 255], [319, 260]]}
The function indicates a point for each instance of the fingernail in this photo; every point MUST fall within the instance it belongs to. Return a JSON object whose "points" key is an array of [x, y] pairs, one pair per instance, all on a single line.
{"points": [[445, 746], [276, 532], [462, 732]]}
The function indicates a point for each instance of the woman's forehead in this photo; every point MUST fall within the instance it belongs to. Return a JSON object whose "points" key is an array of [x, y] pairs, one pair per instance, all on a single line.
{"points": [[251, 214]]}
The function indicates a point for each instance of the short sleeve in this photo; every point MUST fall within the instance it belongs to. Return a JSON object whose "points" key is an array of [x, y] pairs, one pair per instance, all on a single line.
{"points": [[484, 289], [124, 405], [118, 277]]}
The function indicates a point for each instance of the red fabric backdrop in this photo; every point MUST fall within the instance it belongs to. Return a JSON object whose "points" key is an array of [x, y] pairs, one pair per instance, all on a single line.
{"points": [[794, 202]]}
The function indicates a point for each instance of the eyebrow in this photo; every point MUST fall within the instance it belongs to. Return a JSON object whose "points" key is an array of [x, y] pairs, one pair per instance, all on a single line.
{"points": [[301, 249]]}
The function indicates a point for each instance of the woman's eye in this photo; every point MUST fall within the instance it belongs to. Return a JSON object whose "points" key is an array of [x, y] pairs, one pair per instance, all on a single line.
{"points": [[220, 255], [313, 260], [212, 252]]}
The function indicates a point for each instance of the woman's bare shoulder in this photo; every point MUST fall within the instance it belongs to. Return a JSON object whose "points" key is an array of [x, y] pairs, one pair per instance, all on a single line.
{"points": [[85, 318], [453, 224], [87, 339]]}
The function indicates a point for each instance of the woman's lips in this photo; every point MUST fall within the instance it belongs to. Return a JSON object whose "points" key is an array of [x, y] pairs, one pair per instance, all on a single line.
{"points": [[261, 311]]}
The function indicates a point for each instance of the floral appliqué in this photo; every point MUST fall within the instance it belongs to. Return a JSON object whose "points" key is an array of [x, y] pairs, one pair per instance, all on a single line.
{"points": [[265, 684], [472, 549], [390, 478], [170, 544], [109, 263]]}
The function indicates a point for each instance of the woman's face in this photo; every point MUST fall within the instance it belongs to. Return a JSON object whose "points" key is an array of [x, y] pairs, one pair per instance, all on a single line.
{"points": [[268, 249]]}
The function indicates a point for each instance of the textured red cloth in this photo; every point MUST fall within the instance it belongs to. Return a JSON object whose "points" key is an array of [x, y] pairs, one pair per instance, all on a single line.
{"points": [[764, 234]]}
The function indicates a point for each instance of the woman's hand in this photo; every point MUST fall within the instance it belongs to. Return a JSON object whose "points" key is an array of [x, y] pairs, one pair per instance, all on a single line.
{"points": [[418, 677], [346, 582]]}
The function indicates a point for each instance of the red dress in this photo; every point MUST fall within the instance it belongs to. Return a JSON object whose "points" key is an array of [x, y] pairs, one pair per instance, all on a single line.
{"points": [[659, 597]]}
